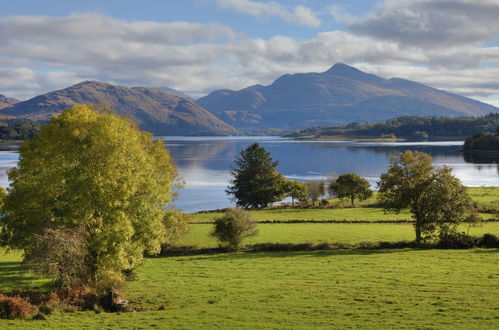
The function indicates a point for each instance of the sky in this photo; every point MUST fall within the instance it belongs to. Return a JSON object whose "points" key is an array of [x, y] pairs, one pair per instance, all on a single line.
{"points": [[197, 46]]}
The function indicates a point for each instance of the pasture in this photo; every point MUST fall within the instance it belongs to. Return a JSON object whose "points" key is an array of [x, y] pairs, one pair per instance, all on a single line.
{"points": [[295, 290]]}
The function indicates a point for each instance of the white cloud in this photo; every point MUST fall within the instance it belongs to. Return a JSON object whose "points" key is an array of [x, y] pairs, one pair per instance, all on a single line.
{"points": [[298, 15], [40, 54], [432, 23]]}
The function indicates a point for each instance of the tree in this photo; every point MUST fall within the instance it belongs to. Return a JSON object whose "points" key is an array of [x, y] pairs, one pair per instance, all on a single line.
{"points": [[431, 194], [233, 227], [97, 172], [295, 190], [256, 181], [315, 190], [351, 186]]}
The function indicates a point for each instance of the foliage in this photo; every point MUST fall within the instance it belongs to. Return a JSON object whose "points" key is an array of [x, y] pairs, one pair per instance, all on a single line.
{"points": [[233, 227], [178, 224], [61, 253], [351, 186], [412, 128], [15, 308], [256, 182], [96, 171], [437, 200], [482, 142], [315, 190], [296, 190], [18, 129]]}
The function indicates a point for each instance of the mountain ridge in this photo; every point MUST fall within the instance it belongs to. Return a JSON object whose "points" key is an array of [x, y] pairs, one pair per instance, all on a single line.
{"points": [[153, 109], [340, 95]]}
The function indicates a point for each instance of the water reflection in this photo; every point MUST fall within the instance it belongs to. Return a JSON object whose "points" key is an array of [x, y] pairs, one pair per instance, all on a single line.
{"points": [[204, 163]]}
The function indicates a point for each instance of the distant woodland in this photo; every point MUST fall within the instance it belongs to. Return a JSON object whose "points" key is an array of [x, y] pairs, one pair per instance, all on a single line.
{"points": [[409, 128], [17, 129]]}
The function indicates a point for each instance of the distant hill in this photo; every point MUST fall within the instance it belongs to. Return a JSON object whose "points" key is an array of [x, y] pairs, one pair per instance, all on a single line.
{"points": [[156, 111], [340, 95], [6, 102], [408, 128]]}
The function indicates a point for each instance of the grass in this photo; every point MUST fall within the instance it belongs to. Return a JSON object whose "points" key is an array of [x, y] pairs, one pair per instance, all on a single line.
{"points": [[486, 197], [336, 214], [12, 275], [298, 290], [350, 214], [396, 288], [324, 232]]}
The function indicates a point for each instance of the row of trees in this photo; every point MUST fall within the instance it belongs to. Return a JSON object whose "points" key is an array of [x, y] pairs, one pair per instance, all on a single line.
{"points": [[412, 127], [437, 199], [257, 183], [482, 142]]}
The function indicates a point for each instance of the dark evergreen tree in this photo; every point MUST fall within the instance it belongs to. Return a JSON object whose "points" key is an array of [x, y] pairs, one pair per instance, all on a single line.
{"points": [[256, 182]]}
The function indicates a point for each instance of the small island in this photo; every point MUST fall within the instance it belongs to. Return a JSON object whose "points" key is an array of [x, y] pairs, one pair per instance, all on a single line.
{"points": [[481, 143]]}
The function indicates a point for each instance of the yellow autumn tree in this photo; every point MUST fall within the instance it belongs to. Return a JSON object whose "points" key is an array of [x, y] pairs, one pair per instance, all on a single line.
{"points": [[97, 173]]}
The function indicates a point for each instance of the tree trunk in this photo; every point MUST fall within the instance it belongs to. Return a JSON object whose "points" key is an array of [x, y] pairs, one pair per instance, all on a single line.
{"points": [[418, 233], [353, 199]]}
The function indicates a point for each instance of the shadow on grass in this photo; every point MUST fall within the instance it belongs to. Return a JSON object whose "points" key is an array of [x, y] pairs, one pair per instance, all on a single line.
{"points": [[288, 254], [14, 276], [486, 251]]}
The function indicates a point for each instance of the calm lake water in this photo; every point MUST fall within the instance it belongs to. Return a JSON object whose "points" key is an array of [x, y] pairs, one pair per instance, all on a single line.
{"points": [[204, 163]]}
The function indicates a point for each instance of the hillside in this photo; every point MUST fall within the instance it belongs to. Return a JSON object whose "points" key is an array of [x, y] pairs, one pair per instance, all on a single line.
{"points": [[408, 128], [156, 111], [6, 102], [340, 95]]}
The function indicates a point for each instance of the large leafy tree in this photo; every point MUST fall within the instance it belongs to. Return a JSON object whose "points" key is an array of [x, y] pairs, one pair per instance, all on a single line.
{"points": [[256, 181], [96, 173], [351, 186], [296, 190], [437, 199]]}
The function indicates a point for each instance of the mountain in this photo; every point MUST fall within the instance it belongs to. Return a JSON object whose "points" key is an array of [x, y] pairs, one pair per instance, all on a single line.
{"points": [[156, 111], [6, 102], [174, 92], [340, 95]]}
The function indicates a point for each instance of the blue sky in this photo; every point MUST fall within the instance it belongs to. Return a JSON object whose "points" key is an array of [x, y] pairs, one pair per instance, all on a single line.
{"points": [[198, 46]]}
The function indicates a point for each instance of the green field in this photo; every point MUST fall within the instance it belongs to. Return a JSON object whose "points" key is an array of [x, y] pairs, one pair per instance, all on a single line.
{"points": [[336, 214], [199, 234], [344, 288], [406, 288], [486, 197]]}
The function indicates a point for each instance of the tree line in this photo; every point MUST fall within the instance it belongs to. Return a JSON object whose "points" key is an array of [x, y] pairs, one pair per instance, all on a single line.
{"points": [[411, 128], [437, 199], [18, 129], [482, 142]]}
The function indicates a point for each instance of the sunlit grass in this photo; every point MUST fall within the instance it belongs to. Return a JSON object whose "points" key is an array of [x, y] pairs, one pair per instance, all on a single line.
{"points": [[301, 290]]}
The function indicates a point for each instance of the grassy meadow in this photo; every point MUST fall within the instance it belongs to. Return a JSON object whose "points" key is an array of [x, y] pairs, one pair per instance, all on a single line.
{"points": [[344, 288], [407, 288], [199, 234], [485, 197]]}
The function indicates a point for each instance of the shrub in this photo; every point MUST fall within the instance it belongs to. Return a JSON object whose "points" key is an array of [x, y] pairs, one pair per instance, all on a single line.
{"points": [[489, 241], [233, 227], [15, 308], [454, 240]]}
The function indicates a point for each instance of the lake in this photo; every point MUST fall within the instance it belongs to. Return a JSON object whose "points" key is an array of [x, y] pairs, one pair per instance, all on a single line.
{"points": [[204, 163]]}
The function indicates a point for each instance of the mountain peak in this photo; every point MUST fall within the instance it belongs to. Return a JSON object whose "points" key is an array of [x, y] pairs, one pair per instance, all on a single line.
{"points": [[347, 71], [342, 68]]}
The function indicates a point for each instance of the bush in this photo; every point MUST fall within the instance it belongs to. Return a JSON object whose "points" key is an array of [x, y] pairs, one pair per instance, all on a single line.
{"points": [[15, 308], [454, 240], [489, 241], [233, 227]]}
